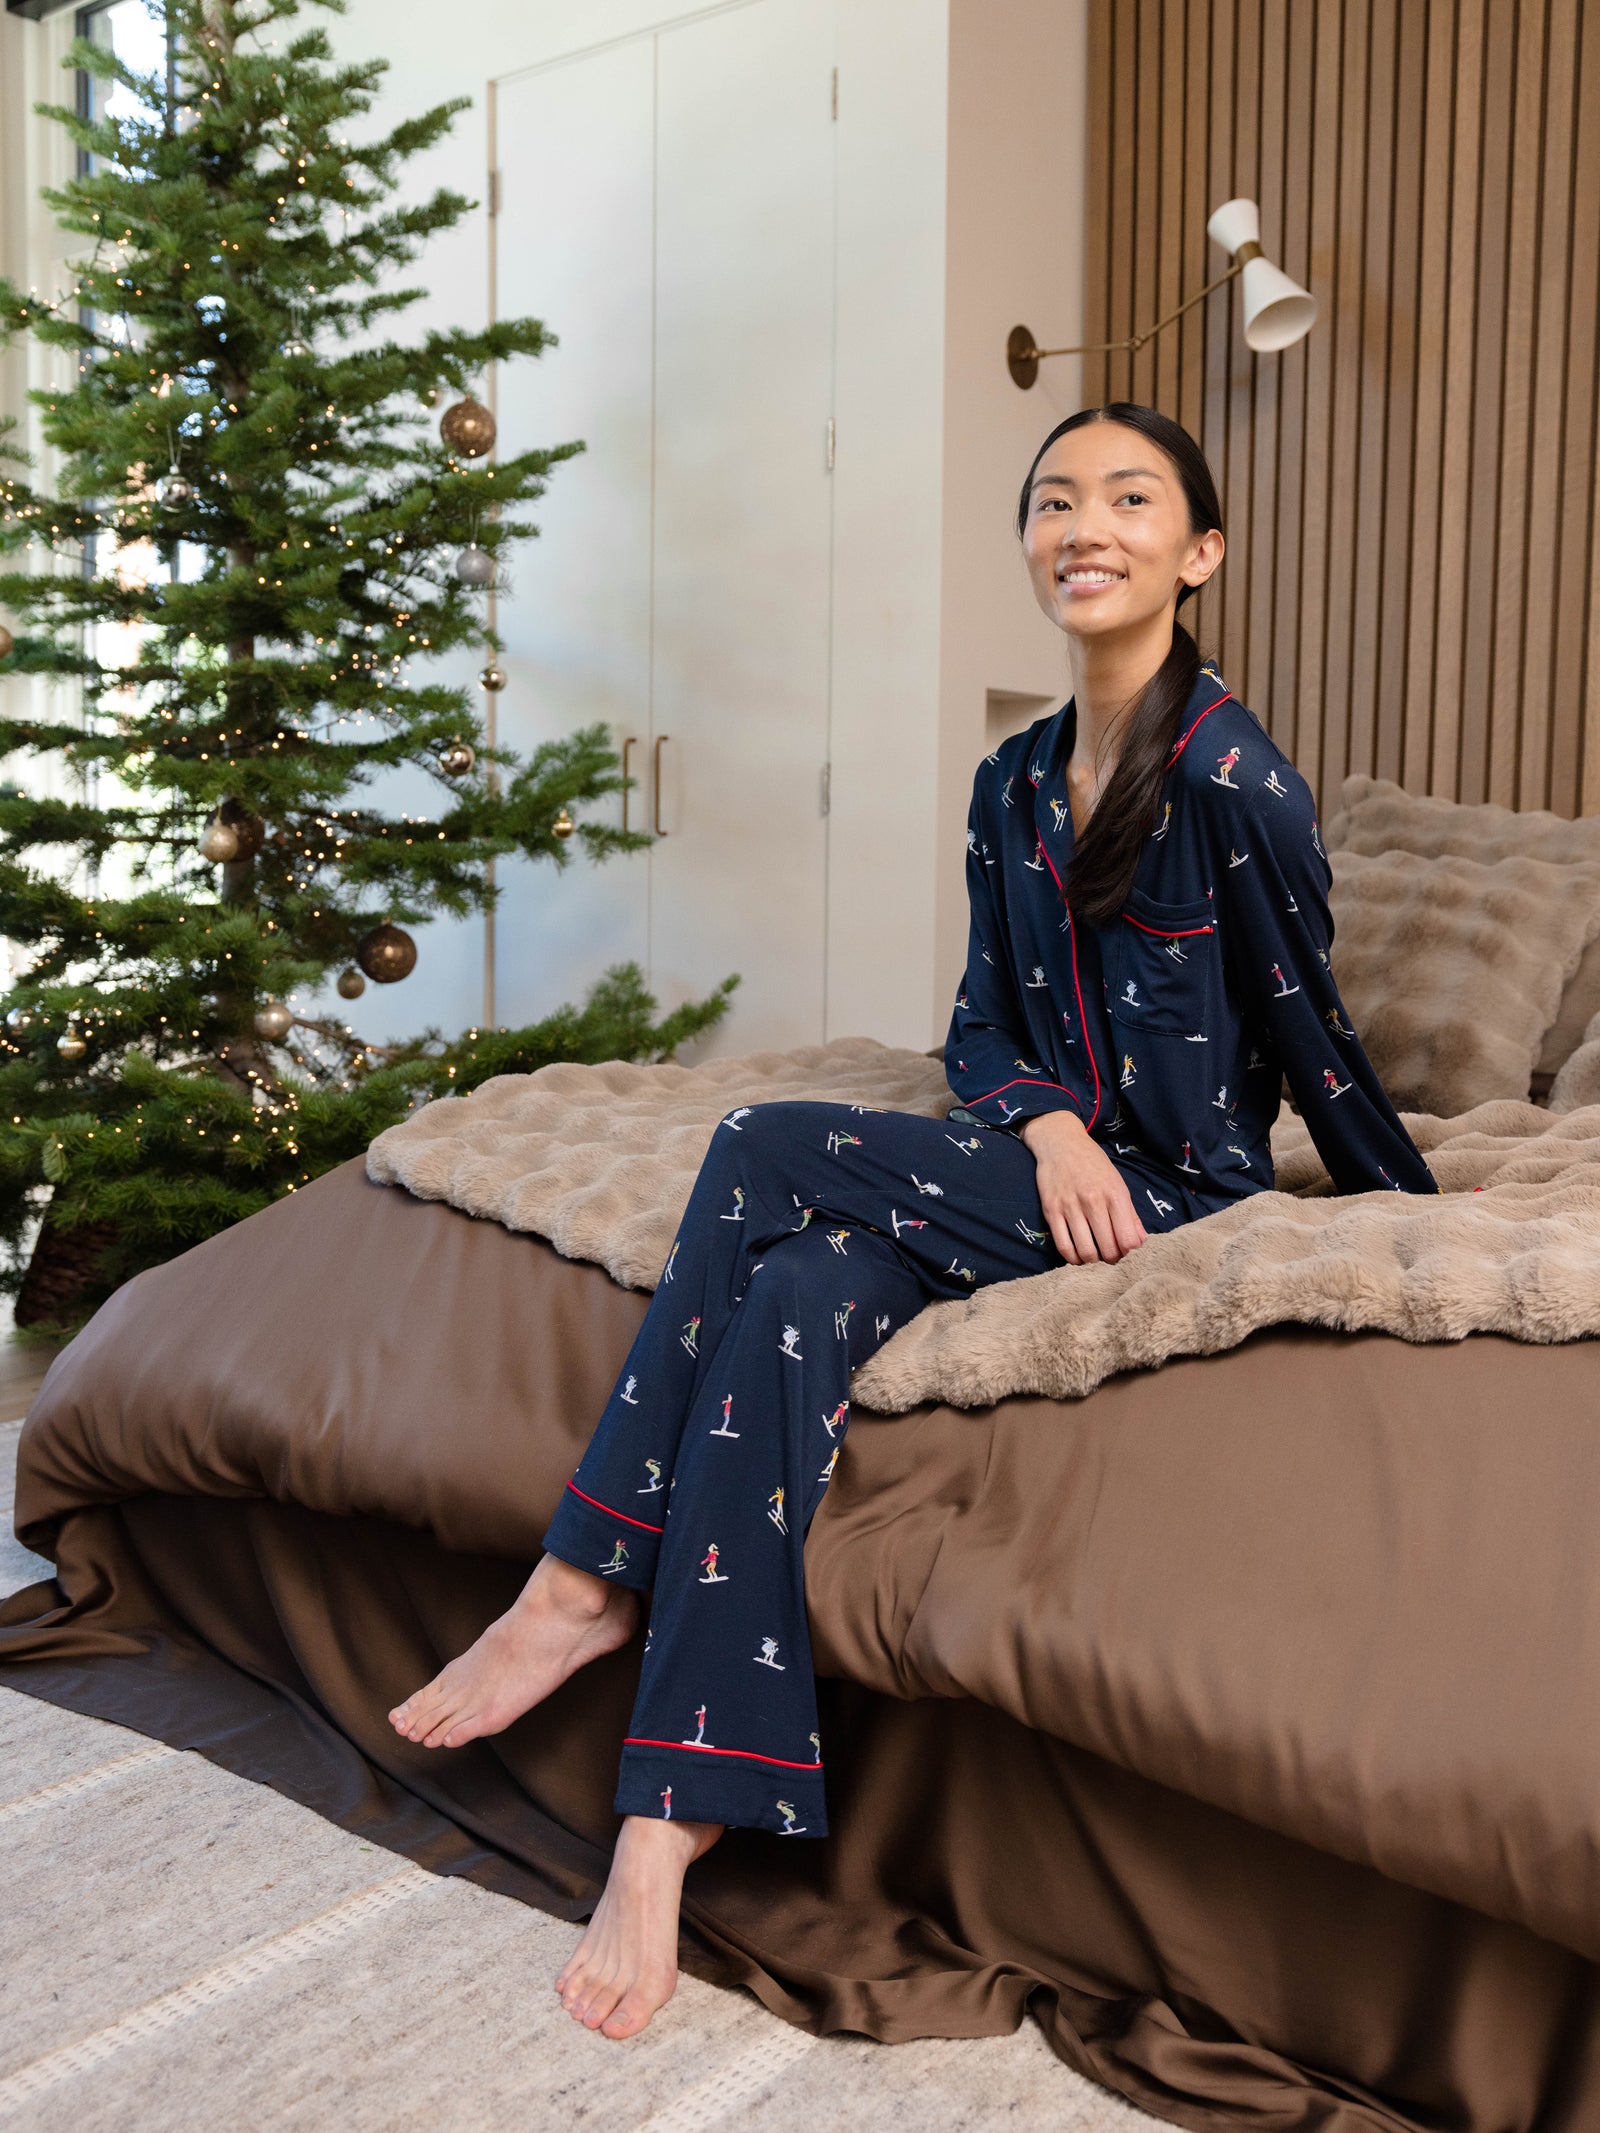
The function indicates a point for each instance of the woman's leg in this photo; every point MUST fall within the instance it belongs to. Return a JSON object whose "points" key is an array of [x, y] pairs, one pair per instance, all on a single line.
{"points": [[724, 1727]]}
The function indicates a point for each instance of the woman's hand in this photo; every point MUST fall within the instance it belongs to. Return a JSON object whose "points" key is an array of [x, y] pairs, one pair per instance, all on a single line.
{"points": [[1081, 1190]]}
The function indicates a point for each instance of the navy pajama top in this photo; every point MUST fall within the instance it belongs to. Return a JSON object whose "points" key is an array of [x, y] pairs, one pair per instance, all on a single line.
{"points": [[1171, 1031]]}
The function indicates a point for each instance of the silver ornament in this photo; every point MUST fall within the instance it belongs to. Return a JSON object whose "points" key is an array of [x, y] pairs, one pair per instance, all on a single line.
{"points": [[220, 842], [294, 347], [457, 759], [351, 984], [71, 1046], [172, 490], [492, 677], [273, 1021], [474, 565], [18, 1020]]}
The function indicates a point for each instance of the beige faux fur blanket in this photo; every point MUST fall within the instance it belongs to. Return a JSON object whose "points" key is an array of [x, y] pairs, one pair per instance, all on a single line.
{"points": [[601, 1159]]}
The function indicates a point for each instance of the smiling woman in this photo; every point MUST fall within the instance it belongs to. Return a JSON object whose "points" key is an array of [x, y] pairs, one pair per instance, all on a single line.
{"points": [[1148, 955]]}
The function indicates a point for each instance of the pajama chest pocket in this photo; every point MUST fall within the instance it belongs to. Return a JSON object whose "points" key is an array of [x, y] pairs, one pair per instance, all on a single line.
{"points": [[1162, 963]]}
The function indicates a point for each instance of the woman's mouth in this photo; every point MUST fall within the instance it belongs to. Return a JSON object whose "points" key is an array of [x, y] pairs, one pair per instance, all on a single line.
{"points": [[1082, 582]]}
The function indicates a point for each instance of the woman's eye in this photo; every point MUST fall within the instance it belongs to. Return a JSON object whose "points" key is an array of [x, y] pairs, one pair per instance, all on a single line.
{"points": [[1136, 496]]}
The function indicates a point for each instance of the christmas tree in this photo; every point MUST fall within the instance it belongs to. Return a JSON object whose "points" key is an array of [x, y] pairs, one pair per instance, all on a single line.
{"points": [[261, 523]]}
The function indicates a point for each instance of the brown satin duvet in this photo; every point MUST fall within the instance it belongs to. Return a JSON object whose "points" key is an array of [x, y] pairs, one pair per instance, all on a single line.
{"points": [[1241, 1720]]}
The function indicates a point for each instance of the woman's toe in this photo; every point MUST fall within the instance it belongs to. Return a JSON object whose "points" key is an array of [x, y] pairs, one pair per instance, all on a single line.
{"points": [[630, 2014]]}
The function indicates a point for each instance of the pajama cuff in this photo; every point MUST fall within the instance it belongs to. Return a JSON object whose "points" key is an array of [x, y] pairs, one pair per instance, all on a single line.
{"points": [[690, 1784], [619, 1546]]}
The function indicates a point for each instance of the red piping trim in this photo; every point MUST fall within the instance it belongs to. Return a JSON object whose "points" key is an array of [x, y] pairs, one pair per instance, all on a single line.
{"points": [[1167, 933], [626, 1520], [1023, 1082], [705, 1748], [1072, 943], [1206, 713]]}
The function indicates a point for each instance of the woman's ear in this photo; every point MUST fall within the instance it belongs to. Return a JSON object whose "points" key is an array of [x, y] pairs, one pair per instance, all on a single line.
{"points": [[1203, 558]]}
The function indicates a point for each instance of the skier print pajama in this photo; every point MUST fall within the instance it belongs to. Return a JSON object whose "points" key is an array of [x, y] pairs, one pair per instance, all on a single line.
{"points": [[814, 1230]]}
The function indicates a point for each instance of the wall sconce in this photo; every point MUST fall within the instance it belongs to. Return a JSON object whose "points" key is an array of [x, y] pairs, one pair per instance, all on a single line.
{"points": [[1277, 311]]}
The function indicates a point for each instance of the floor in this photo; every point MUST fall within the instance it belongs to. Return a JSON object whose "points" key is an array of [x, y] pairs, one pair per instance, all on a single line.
{"points": [[179, 1947]]}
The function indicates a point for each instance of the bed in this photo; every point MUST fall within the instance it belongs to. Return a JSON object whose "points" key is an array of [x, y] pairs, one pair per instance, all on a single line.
{"points": [[1238, 1721]]}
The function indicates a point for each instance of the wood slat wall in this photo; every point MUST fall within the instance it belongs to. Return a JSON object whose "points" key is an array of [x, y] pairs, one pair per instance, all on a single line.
{"points": [[1412, 582]]}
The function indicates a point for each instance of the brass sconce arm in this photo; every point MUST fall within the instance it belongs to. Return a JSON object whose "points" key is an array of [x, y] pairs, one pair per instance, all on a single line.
{"points": [[1023, 357]]}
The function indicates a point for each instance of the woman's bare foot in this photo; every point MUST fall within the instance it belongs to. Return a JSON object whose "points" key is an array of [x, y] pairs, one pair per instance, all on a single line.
{"points": [[560, 1620], [626, 1965]]}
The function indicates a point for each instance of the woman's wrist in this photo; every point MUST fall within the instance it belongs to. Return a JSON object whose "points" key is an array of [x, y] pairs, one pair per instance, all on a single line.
{"points": [[1045, 1125]]}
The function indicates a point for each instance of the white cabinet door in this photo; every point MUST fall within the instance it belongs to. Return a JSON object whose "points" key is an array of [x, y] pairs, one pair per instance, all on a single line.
{"points": [[743, 383], [573, 240]]}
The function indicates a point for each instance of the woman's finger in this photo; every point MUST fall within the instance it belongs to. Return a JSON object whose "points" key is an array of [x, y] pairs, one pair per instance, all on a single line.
{"points": [[1082, 1232], [1103, 1218], [1060, 1234]]}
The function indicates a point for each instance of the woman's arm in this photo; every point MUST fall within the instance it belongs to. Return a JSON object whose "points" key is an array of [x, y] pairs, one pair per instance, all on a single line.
{"points": [[987, 1060], [987, 1063], [1278, 932]]}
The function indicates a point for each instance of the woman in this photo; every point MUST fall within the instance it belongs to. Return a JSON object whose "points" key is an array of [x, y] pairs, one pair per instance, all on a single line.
{"points": [[1148, 958]]}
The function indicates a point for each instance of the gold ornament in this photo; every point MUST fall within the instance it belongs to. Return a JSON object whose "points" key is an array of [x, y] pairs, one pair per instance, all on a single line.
{"points": [[220, 841], [492, 678], [387, 954], [71, 1046], [273, 1021], [8, 643], [468, 428], [457, 759], [563, 826], [232, 832], [351, 983]]}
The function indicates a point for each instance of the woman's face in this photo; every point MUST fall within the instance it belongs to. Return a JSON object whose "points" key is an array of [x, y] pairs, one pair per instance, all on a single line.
{"points": [[1107, 538]]}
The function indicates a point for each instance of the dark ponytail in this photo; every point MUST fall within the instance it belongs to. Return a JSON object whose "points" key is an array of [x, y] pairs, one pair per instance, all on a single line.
{"points": [[1108, 853]]}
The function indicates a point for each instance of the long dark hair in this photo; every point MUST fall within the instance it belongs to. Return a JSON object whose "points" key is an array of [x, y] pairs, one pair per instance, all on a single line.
{"points": [[1103, 865]]}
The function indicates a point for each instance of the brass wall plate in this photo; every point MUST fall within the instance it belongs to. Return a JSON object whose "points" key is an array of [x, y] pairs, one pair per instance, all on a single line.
{"points": [[1022, 358]]}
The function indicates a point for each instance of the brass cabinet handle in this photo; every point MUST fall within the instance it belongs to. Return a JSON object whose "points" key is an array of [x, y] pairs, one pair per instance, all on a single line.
{"points": [[627, 744], [661, 740]]}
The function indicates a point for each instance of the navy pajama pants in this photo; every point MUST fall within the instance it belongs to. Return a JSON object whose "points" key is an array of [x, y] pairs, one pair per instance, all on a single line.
{"points": [[813, 1232]]}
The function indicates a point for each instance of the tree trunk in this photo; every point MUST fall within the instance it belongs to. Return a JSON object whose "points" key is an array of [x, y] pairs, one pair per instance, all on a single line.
{"points": [[64, 1273]]}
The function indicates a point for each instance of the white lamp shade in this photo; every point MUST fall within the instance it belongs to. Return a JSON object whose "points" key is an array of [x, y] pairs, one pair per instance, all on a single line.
{"points": [[1277, 311], [1235, 223]]}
